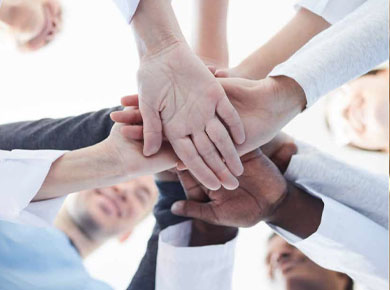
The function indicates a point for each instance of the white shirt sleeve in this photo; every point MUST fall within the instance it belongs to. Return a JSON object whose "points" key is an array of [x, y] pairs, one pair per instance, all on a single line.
{"points": [[22, 173], [192, 268], [127, 8], [331, 10], [353, 235], [346, 50], [363, 191]]}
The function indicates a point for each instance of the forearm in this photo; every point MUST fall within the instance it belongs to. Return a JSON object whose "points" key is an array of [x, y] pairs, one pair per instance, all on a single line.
{"points": [[304, 26], [155, 27], [78, 170], [60, 134], [349, 48], [210, 32], [299, 213], [204, 234]]}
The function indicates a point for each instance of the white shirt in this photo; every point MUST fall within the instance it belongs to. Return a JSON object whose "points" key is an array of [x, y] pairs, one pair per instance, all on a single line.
{"points": [[127, 8], [356, 43], [352, 237], [22, 173]]}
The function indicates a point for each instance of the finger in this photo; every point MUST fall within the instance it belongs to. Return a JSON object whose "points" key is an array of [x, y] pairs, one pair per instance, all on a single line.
{"points": [[212, 158], [193, 209], [220, 137], [187, 153], [222, 73], [134, 132], [212, 69], [282, 157], [180, 166], [131, 100], [152, 130], [192, 187], [229, 115], [128, 116]]}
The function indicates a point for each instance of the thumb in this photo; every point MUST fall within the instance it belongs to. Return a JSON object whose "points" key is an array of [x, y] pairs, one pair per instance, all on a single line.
{"points": [[222, 73], [152, 130], [197, 210]]}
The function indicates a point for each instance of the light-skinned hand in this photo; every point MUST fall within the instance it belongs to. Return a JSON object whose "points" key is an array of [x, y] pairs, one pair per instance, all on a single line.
{"points": [[180, 98]]}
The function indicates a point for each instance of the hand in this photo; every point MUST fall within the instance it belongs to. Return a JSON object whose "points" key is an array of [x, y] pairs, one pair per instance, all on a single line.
{"points": [[265, 106], [178, 96], [127, 153], [262, 188]]}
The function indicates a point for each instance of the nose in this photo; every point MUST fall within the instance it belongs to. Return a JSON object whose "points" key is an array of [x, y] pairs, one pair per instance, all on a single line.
{"points": [[120, 193]]}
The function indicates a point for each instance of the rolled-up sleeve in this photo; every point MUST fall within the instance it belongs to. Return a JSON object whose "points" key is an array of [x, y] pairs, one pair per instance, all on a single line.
{"points": [[331, 10], [192, 268], [353, 235], [22, 173], [347, 242], [348, 49], [127, 8]]}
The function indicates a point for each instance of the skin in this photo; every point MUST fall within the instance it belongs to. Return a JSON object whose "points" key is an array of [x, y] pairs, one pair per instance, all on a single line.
{"points": [[263, 195], [92, 217], [114, 160], [180, 97], [364, 115], [32, 24], [114, 210], [297, 271], [260, 104], [295, 34], [209, 36]]}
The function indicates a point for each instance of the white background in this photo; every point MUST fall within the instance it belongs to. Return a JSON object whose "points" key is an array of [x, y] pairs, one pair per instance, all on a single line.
{"points": [[93, 63]]}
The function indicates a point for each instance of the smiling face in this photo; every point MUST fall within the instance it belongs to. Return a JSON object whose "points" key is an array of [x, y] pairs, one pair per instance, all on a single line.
{"points": [[33, 23], [298, 272], [107, 212], [360, 112]]}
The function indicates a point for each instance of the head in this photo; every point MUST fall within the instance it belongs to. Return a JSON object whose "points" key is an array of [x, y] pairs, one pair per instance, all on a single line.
{"points": [[31, 23], [113, 211], [358, 113], [298, 272]]}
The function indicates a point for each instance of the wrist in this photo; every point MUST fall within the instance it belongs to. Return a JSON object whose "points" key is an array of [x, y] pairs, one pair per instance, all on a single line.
{"points": [[287, 89], [299, 213], [155, 27], [204, 234], [78, 170]]}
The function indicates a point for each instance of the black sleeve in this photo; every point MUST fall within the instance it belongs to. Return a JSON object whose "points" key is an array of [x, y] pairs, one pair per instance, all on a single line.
{"points": [[61, 134], [144, 278]]}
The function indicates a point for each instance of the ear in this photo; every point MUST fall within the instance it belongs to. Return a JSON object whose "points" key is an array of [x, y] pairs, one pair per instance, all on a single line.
{"points": [[123, 238]]}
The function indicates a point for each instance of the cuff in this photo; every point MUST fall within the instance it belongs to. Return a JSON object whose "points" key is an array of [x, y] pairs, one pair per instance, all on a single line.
{"points": [[192, 268], [353, 244], [127, 8], [298, 73], [22, 173], [331, 10]]}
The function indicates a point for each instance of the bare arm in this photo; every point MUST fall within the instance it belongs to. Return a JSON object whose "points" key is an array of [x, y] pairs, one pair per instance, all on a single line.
{"points": [[112, 161], [303, 27], [210, 32]]}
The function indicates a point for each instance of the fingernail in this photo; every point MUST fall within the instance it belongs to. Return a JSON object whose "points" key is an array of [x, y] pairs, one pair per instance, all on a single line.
{"points": [[231, 184], [177, 207], [239, 171]]}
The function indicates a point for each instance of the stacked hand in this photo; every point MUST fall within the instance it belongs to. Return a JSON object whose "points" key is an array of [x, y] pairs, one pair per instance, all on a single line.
{"points": [[180, 99], [264, 106], [136, 163], [262, 188]]}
